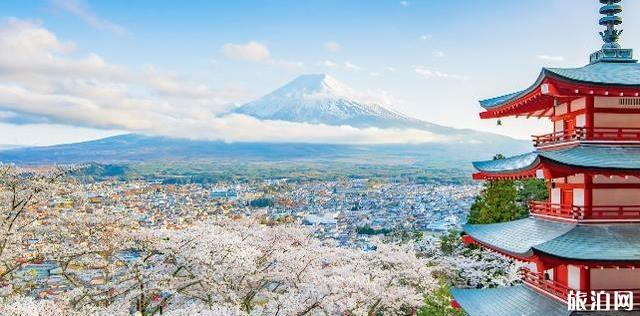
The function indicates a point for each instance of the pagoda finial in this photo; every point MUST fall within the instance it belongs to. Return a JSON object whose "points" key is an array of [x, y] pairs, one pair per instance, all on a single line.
{"points": [[610, 36], [611, 51]]}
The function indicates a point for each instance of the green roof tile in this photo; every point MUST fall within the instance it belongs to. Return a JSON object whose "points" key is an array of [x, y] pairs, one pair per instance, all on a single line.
{"points": [[609, 157], [588, 156], [518, 237], [508, 301], [596, 242], [618, 242], [602, 73]]}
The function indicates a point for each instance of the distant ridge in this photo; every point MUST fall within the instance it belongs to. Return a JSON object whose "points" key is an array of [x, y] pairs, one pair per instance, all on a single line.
{"points": [[138, 148]]}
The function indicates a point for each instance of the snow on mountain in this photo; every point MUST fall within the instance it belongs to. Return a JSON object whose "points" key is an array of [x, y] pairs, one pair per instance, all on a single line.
{"points": [[320, 98]]}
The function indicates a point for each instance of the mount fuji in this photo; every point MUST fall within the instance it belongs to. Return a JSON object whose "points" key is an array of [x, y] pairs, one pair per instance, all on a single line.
{"points": [[315, 99], [322, 99]]}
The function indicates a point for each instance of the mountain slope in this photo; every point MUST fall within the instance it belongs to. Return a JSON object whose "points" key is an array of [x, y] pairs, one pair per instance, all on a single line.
{"points": [[320, 98]]}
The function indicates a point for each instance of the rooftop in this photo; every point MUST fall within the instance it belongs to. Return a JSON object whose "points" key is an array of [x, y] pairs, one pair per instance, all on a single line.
{"points": [[506, 301], [601, 73], [585, 156], [521, 238]]}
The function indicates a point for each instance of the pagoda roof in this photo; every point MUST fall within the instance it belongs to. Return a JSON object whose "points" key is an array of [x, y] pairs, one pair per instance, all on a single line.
{"points": [[581, 156], [582, 242], [507, 301], [602, 73], [517, 238], [614, 242]]}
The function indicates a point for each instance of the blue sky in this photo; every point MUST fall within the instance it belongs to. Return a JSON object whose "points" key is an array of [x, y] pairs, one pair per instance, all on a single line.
{"points": [[434, 59]]}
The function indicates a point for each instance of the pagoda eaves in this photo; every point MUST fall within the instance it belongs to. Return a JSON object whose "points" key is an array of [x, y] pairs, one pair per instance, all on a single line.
{"points": [[560, 85]]}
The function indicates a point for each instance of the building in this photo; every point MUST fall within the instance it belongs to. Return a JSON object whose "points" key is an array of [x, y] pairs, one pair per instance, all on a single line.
{"points": [[584, 242]]}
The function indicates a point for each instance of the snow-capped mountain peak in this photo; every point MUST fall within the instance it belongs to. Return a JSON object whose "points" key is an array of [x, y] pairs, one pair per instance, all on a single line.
{"points": [[320, 98]]}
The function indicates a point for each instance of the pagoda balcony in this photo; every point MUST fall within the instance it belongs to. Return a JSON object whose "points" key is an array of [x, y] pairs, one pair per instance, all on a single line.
{"points": [[560, 291], [540, 282], [588, 134], [581, 213]]}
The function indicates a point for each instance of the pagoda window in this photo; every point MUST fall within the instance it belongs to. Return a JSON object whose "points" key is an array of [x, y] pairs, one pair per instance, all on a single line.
{"points": [[616, 120], [573, 277], [559, 126], [555, 195], [576, 179], [616, 197], [629, 101], [608, 102], [562, 109], [615, 279], [581, 120], [578, 197], [579, 104]]}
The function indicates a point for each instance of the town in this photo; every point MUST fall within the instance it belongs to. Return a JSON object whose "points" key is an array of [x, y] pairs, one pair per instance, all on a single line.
{"points": [[340, 209], [351, 212]]}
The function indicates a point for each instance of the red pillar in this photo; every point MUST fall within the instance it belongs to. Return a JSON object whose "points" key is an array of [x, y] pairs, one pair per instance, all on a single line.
{"points": [[585, 278], [590, 109], [588, 195]]}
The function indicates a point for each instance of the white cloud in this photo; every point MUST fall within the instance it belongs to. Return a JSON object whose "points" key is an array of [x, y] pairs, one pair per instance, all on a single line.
{"points": [[390, 69], [439, 54], [426, 37], [50, 82], [332, 46], [251, 51], [80, 9], [404, 3], [374, 74], [138, 116], [351, 66], [327, 63], [434, 73], [257, 53], [551, 58]]}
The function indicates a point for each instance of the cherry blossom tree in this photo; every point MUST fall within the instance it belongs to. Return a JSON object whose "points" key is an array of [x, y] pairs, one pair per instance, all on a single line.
{"points": [[113, 265], [283, 270], [472, 267], [22, 194]]}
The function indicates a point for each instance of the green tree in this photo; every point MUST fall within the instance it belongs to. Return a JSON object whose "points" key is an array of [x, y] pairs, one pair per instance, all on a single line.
{"points": [[449, 242], [505, 200], [438, 303], [532, 189]]}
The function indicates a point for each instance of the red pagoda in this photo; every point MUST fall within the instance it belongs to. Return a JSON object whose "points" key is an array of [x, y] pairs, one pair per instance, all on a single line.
{"points": [[582, 246]]}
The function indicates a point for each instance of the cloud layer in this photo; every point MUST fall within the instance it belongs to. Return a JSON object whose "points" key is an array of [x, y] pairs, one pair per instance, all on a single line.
{"points": [[43, 78], [257, 53], [80, 9]]}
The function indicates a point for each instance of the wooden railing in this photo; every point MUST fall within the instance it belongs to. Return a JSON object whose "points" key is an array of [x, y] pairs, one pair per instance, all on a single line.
{"points": [[582, 133], [539, 281], [607, 212], [556, 210], [561, 291]]}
